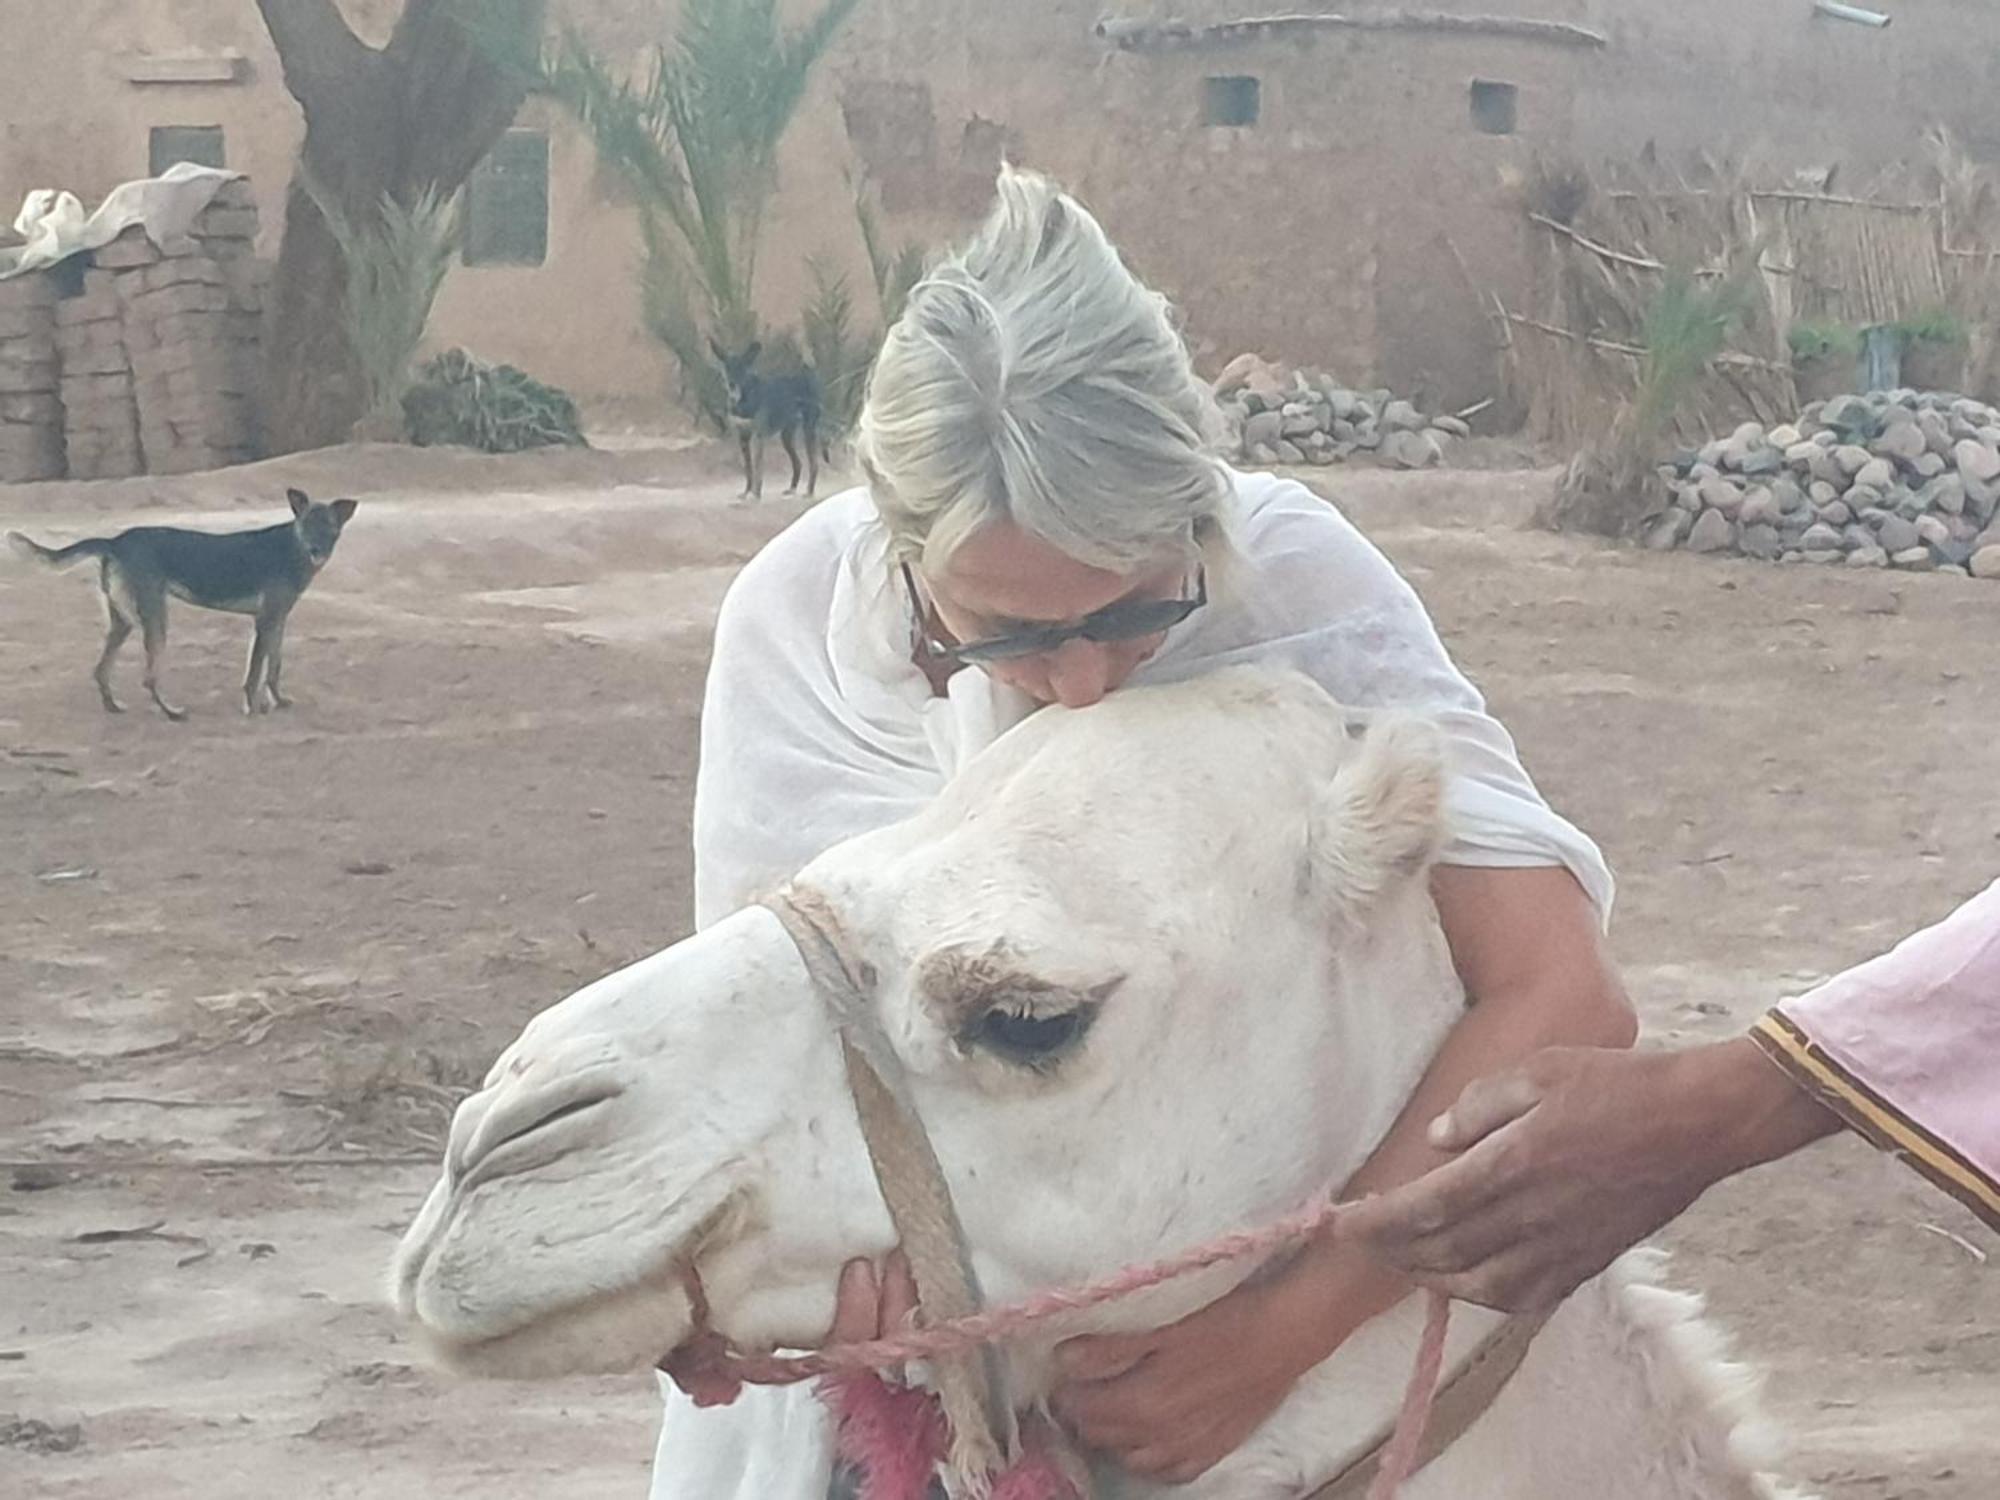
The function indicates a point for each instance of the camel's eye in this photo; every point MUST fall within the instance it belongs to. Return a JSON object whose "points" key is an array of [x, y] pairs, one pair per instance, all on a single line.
{"points": [[1032, 1039]]}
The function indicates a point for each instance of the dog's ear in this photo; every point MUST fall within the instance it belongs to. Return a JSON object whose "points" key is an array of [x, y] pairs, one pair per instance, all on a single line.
{"points": [[343, 511], [750, 355], [301, 501]]}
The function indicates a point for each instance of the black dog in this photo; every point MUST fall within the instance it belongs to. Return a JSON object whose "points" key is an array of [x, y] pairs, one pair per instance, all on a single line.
{"points": [[760, 406], [258, 573]]}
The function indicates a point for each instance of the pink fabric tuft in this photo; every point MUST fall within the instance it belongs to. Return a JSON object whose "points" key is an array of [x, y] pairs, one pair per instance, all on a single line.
{"points": [[893, 1434], [1035, 1477], [895, 1437]]}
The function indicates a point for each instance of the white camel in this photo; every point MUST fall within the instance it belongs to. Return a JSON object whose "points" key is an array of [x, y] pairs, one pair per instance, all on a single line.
{"points": [[1158, 970]]}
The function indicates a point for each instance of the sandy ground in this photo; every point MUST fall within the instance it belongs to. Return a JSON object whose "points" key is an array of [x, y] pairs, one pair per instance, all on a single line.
{"points": [[291, 942]]}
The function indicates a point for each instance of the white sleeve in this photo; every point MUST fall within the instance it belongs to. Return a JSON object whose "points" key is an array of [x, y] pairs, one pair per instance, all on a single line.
{"points": [[792, 762], [1323, 599]]}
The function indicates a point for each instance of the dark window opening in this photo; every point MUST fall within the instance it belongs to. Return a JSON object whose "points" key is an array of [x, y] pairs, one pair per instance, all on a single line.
{"points": [[507, 203], [173, 144], [1230, 101], [1493, 107]]}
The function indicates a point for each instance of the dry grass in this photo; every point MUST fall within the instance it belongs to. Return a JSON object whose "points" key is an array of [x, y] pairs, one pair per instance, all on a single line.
{"points": [[1664, 301]]}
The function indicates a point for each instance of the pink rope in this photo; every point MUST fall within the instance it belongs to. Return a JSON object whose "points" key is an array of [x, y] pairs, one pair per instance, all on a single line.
{"points": [[1399, 1458], [893, 1431], [999, 1324]]}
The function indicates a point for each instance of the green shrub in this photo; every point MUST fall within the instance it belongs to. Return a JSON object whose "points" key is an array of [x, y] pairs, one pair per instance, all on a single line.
{"points": [[1820, 340], [458, 400]]}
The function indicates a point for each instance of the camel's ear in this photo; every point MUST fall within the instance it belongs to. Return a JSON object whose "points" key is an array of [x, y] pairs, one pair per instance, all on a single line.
{"points": [[1380, 822]]}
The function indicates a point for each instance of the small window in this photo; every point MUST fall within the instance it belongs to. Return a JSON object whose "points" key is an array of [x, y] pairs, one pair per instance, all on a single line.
{"points": [[1493, 107], [1230, 101], [173, 144], [507, 203]]}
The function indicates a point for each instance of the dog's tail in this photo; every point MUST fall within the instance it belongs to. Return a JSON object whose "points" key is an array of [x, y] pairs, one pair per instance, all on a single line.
{"points": [[57, 557]]}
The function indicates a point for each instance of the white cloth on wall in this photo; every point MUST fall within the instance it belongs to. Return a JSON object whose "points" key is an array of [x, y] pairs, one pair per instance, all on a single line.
{"points": [[817, 726], [56, 227]]}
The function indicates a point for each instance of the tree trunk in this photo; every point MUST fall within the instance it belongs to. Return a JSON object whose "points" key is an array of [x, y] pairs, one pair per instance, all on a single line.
{"points": [[416, 115]]}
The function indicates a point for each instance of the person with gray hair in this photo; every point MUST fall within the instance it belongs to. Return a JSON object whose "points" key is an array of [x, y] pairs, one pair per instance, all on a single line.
{"points": [[1045, 520]]}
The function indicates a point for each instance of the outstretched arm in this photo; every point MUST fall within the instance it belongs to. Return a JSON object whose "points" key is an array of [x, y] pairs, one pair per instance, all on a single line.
{"points": [[1574, 1157], [1578, 1155]]}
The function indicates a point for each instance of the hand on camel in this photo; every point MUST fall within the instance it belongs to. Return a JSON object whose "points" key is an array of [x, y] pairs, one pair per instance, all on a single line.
{"points": [[867, 1305], [1573, 1158], [1172, 1403]]}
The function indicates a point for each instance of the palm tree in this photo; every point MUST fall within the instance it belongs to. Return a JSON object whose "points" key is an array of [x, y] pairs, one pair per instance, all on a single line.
{"points": [[696, 145], [403, 123]]}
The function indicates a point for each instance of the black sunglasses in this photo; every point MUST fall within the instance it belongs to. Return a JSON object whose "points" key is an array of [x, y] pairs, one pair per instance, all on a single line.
{"points": [[1127, 620]]}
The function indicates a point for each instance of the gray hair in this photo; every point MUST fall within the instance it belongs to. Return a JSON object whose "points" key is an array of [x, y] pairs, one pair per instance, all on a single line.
{"points": [[1032, 378]]}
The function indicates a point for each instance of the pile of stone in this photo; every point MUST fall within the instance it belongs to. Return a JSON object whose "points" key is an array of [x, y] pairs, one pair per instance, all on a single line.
{"points": [[1296, 417], [192, 311], [1895, 479], [148, 366], [31, 413]]}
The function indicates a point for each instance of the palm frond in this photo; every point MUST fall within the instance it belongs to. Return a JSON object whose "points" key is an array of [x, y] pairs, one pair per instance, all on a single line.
{"points": [[840, 354], [696, 145], [396, 263]]}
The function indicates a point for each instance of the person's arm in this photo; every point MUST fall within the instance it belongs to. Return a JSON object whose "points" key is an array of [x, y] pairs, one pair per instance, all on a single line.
{"points": [[1577, 1156], [1171, 1403], [1573, 1158]]}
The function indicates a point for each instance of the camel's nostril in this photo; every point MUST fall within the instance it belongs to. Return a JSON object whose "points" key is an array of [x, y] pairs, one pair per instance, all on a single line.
{"points": [[526, 1127], [559, 1113]]}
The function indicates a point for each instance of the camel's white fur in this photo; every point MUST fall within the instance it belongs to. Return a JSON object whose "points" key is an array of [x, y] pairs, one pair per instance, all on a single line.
{"points": [[1231, 870]]}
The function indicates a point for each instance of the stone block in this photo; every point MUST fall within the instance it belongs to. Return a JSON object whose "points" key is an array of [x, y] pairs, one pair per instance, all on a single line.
{"points": [[34, 290], [45, 409], [30, 452], [36, 323], [94, 361], [89, 308], [181, 299], [131, 249], [85, 389], [194, 271], [224, 222], [20, 377]]}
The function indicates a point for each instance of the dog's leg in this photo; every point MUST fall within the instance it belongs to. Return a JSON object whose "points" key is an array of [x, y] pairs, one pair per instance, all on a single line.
{"points": [[812, 459], [757, 465], [259, 670], [274, 662], [791, 452], [116, 629], [749, 464], [153, 631]]}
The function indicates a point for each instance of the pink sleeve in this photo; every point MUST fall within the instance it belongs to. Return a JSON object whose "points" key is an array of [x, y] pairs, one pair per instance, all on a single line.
{"points": [[1906, 1049]]}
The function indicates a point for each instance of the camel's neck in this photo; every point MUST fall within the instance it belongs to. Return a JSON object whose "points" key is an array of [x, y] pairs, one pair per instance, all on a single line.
{"points": [[1622, 1393]]}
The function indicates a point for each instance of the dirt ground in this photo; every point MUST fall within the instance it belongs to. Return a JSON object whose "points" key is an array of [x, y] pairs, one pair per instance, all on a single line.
{"points": [[289, 943]]}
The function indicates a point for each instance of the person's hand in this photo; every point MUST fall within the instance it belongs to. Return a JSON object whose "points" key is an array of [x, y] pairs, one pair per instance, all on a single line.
{"points": [[1170, 1404], [1573, 1158], [868, 1304]]}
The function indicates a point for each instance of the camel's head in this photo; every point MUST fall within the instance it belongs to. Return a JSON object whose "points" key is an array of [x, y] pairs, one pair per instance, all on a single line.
{"points": [[1156, 969]]}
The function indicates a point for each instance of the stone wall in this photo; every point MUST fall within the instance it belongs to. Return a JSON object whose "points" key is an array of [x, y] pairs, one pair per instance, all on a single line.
{"points": [[31, 414], [1354, 226], [148, 365]]}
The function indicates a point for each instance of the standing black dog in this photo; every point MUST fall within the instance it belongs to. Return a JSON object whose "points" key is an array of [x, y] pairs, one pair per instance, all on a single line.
{"points": [[258, 573], [760, 406]]}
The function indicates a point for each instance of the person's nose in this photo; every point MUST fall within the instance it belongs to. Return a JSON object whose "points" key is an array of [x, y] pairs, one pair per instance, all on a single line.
{"points": [[1080, 673]]}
